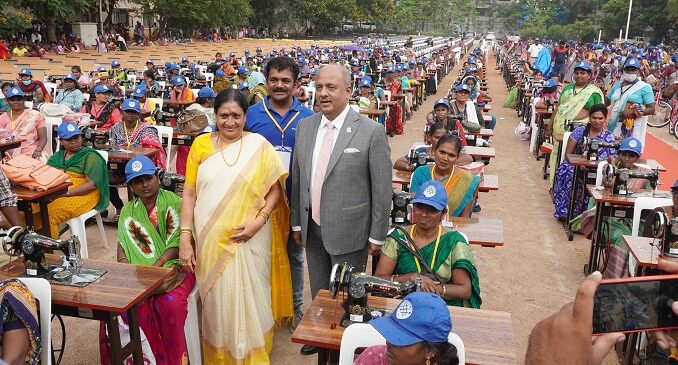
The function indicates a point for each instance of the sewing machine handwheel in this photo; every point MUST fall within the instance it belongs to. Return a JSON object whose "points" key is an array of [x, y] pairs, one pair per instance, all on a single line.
{"points": [[10, 250], [334, 281]]}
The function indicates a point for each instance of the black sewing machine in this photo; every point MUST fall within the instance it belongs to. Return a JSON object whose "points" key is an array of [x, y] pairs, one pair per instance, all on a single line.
{"points": [[419, 158], [95, 137], [622, 177], [666, 231], [593, 147], [550, 104], [18, 241], [172, 181], [401, 199], [571, 125], [358, 285]]}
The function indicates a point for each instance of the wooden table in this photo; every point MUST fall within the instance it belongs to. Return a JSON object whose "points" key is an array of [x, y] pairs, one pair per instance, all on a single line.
{"points": [[487, 335], [484, 132], [118, 291], [542, 115], [608, 205], [486, 232], [181, 138], [487, 183], [10, 145], [27, 197], [644, 251], [482, 152], [373, 113], [581, 160]]}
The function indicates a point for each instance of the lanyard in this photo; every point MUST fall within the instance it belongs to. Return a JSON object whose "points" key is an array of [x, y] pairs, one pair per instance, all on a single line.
{"points": [[435, 249], [281, 129], [127, 134], [433, 175]]}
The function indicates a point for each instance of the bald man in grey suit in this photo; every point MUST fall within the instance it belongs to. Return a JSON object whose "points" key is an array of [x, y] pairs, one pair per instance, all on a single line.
{"points": [[341, 182]]}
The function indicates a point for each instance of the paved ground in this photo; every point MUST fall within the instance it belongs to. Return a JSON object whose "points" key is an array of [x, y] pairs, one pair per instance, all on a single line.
{"points": [[533, 275]]}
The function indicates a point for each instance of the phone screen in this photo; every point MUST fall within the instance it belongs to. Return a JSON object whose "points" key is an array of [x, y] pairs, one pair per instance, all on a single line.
{"points": [[635, 304]]}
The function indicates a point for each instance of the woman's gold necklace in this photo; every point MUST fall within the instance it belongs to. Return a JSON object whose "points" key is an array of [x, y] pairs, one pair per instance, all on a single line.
{"points": [[127, 134], [222, 151]]}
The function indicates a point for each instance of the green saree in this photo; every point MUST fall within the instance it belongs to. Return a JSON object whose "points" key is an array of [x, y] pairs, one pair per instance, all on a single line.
{"points": [[453, 253], [90, 163]]}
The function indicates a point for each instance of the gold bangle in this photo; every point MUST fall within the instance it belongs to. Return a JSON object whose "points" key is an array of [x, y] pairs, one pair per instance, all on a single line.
{"points": [[186, 230], [265, 215], [444, 291]]}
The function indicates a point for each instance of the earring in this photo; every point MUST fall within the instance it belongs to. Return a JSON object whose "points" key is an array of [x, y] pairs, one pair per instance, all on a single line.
{"points": [[428, 359]]}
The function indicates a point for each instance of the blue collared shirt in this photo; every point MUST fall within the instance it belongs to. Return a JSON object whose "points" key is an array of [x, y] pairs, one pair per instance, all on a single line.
{"points": [[259, 122]]}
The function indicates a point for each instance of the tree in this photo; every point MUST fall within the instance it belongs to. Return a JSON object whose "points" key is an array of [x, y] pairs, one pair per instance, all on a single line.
{"points": [[656, 15], [191, 14], [327, 14], [13, 22], [52, 11]]}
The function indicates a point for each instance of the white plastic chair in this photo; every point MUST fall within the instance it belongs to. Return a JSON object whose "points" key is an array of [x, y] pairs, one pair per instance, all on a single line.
{"points": [[563, 146], [132, 78], [42, 291], [361, 335], [209, 77], [167, 132], [50, 123], [646, 203], [77, 224], [599, 173], [51, 88], [192, 329], [355, 108], [202, 68]]}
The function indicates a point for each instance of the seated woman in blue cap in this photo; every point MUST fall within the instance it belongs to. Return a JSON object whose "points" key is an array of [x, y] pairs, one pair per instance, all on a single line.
{"points": [[461, 185], [70, 95], [434, 133], [446, 252], [148, 235], [595, 129], [441, 114], [416, 332], [88, 173]]}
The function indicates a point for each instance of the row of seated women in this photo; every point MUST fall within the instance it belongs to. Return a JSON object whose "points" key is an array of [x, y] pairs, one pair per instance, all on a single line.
{"points": [[85, 166]]}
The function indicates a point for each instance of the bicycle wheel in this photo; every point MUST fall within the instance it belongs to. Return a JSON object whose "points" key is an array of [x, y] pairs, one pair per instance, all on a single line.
{"points": [[674, 129], [662, 115]]}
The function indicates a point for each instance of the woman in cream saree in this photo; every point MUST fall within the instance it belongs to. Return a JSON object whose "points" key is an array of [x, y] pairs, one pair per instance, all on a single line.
{"points": [[239, 224]]}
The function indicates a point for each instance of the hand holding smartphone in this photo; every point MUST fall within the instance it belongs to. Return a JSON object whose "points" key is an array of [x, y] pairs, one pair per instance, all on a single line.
{"points": [[636, 304]]}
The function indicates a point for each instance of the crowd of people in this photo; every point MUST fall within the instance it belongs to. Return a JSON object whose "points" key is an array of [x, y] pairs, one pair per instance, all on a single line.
{"points": [[288, 174]]}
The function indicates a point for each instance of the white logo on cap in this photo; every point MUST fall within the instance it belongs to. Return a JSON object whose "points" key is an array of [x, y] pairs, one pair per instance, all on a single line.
{"points": [[136, 166], [15, 91], [70, 127], [404, 310], [633, 143], [430, 191]]}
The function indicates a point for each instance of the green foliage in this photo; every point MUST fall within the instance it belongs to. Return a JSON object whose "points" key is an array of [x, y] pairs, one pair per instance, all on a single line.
{"points": [[189, 15], [13, 22]]}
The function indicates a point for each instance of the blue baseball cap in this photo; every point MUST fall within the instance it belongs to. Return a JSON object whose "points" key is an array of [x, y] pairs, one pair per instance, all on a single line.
{"points": [[139, 166], [675, 185], [149, 61], [242, 70], [419, 317], [184, 59], [131, 104], [365, 83], [178, 81], [139, 92], [206, 92], [462, 88], [14, 92], [442, 101], [258, 49], [244, 86], [631, 144], [70, 77], [431, 193], [175, 67], [67, 130], [101, 89], [584, 65], [550, 83], [115, 63], [632, 62], [26, 71], [101, 69], [390, 70], [220, 72]]}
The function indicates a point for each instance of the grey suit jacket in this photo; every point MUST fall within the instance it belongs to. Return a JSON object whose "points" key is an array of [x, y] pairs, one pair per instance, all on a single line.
{"points": [[356, 196]]}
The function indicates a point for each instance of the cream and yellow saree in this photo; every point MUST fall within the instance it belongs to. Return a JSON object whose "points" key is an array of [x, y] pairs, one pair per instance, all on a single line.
{"points": [[245, 288]]}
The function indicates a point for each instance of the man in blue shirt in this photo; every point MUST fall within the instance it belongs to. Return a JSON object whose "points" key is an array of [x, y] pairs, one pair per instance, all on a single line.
{"points": [[276, 118]]}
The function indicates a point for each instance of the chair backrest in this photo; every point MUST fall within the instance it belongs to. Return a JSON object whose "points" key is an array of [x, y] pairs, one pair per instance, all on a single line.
{"points": [[563, 146], [167, 132], [599, 173], [209, 77], [355, 107], [310, 91], [104, 154], [132, 78], [42, 291], [387, 94], [646, 203], [51, 88], [361, 335], [51, 122]]}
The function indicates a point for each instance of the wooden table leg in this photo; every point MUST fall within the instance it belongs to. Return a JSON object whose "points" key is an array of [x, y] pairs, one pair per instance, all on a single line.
{"points": [[44, 217], [322, 356], [597, 236], [114, 339], [135, 336]]}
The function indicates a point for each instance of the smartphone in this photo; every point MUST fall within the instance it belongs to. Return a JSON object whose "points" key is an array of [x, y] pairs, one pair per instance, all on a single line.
{"points": [[635, 304]]}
